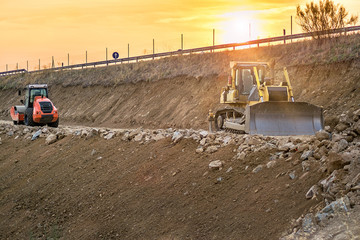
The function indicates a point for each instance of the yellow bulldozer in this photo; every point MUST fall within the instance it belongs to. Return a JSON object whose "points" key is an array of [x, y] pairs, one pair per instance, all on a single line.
{"points": [[256, 105]]}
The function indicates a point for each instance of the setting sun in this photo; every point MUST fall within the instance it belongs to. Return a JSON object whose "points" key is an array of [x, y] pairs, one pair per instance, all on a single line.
{"points": [[239, 27]]}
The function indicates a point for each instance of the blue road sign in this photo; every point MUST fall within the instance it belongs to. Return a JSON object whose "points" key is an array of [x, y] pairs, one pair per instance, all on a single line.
{"points": [[115, 55]]}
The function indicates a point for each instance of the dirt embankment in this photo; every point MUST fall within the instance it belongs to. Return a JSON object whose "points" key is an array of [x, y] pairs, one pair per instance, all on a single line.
{"points": [[184, 101]]}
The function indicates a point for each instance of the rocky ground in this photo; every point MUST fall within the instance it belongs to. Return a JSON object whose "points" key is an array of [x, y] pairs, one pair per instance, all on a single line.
{"points": [[322, 173]]}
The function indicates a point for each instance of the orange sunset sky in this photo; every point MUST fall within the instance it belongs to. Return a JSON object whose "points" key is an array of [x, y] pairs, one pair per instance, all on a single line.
{"points": [[43, 28]]}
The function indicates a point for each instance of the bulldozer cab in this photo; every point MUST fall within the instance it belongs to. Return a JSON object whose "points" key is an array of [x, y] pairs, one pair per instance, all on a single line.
{"points": [[31, 91], [244, 77]]}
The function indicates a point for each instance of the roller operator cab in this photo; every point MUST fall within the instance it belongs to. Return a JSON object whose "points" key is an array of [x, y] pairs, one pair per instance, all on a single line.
{"points": [[37, 109]]}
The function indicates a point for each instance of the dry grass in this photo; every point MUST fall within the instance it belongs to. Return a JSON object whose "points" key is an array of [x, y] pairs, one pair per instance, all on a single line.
{"points": [[338, 49]]}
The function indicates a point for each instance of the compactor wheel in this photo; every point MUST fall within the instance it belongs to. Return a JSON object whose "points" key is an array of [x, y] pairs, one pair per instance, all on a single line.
{"points": [[29, 121]]}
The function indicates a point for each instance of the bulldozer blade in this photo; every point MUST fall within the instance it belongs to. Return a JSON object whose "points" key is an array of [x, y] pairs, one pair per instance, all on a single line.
{"points": [[284, 118]]}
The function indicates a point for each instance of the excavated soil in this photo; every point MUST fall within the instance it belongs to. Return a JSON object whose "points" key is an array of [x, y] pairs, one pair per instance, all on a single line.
{"points": [[157, 190]]}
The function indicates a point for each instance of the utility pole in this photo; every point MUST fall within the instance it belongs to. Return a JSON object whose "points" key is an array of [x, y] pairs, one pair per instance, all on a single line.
{"points": [[52, 62], [153, 47], [86, 57], [128, 52], [27, 65], [17, 66], [68, 59], [39, 63], [7, 67]]}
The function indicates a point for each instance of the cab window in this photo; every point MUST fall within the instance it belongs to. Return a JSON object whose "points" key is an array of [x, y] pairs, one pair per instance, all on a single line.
{"points": [[37, 92]]}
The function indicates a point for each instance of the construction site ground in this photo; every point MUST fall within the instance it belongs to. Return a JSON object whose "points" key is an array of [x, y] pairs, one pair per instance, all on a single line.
{"points": [[93, 188]]}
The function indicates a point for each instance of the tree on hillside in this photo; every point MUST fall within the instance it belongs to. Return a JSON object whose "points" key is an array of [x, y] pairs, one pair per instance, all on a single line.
{"points": [[324, 16]]}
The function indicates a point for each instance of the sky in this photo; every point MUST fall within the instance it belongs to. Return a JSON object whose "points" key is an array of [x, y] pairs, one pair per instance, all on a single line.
{"points": [[42, 29]]}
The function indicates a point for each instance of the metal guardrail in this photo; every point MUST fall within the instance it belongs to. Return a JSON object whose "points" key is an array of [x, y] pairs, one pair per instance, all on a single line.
{"points": [[194, 50], [13, 72]]}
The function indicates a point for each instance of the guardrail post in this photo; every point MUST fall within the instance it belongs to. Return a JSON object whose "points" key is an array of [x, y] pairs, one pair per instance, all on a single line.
{"points": [[212, 50], [107, 63], [153, 48], [284, 31], [291, 27], [182, 41]]}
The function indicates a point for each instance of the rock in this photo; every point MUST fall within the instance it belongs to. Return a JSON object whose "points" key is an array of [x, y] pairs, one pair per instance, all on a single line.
{"points": [[306, 155], [204, 134], [199, 150], [286, 147], [211, 149], [109, 136], [327, 182], [339, 206], [322, 135], [337, 137], [340, 146], [341, 126], [331, 121], [60, 135], [305, 166], [356, 127], [215, 165], [176, 137], [252, 141], [229, 170], [313, 191], [308, 223], [133, 133], [303, 147], [351, 156], [335, 162], [138, 137], [158, 137], [203, 141], [241, 156], [271, 164], [292, 175], [36, 135], [227, 140], [50, 139], [10, 133], [93, 152], [257, 169]]}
